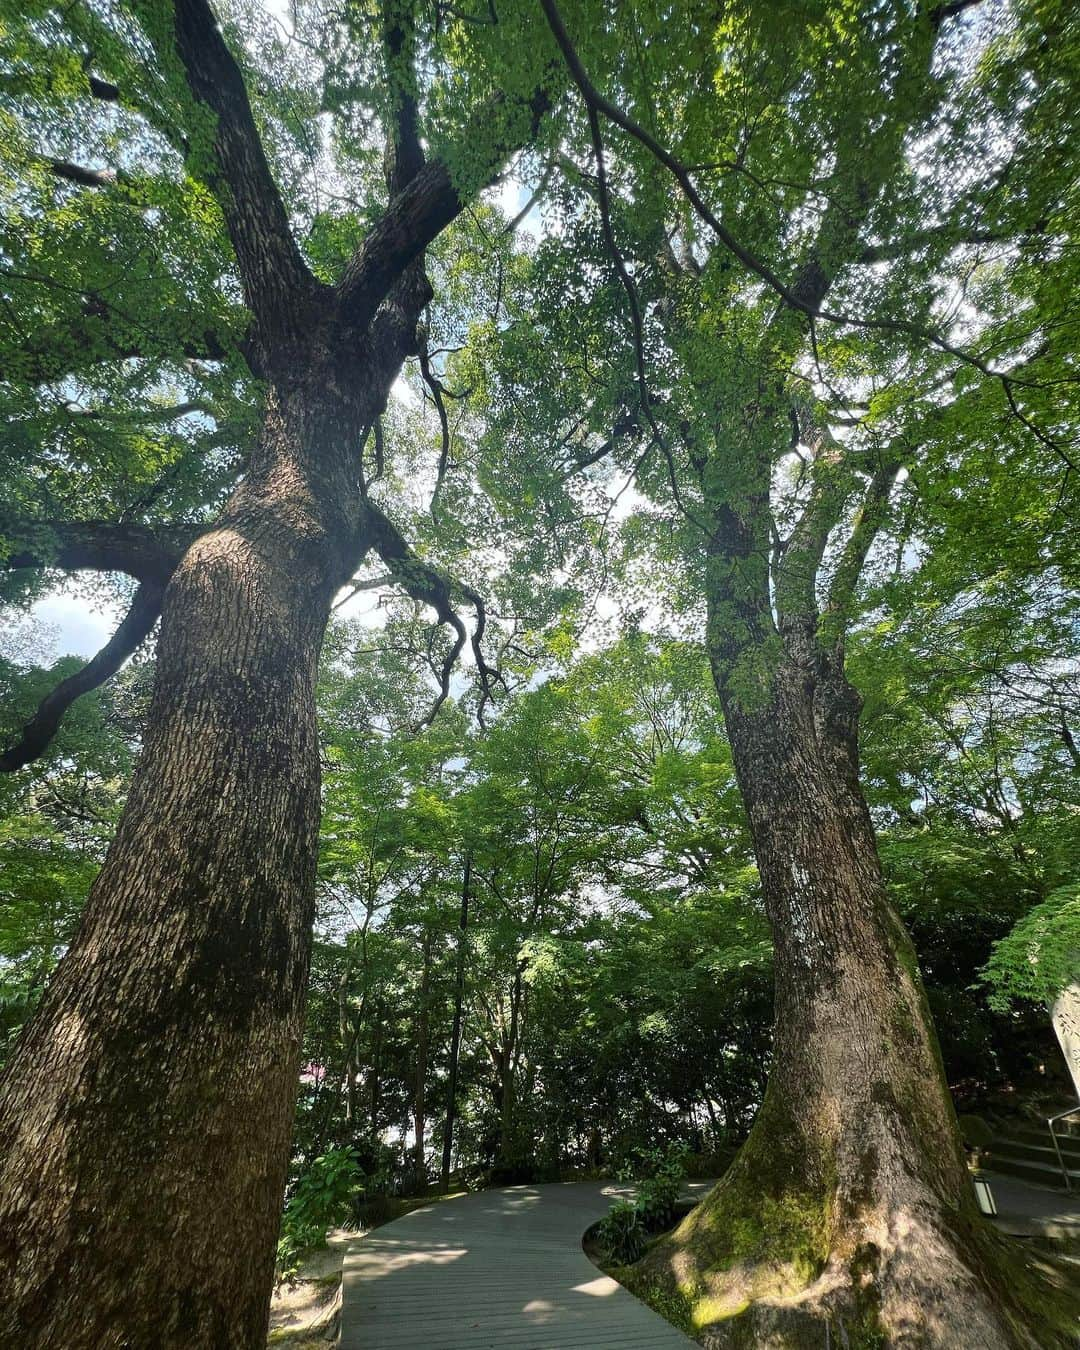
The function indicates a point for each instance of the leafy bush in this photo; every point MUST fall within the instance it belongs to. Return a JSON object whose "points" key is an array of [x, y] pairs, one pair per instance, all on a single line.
{"points": [[661, 1174], [644, 1164], [622, 1234], [658, 1192], [322, 1197], [1040, 956], [657, 1198]]}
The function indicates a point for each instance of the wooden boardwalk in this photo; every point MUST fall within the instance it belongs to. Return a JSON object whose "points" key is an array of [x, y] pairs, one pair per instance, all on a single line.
{"points": [[494, 1269]]}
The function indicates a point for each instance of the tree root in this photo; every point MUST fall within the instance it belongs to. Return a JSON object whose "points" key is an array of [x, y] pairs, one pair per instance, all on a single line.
{"points": [[776, 1273]]}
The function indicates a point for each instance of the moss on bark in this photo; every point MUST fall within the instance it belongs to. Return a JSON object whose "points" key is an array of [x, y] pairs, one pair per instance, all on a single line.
{"points": [[762, 1265]]}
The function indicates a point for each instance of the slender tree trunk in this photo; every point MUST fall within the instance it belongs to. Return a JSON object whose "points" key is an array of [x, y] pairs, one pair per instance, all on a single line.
{"points": [[347, 1036], [507, 1103], [850, 1204], [508, 1143], [145, 1115], [455, 1034], [420, 1090], [352, 1069], [374, 1084]]}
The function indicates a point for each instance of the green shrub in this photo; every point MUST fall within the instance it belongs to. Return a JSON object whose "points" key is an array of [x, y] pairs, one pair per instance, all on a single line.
{"points": [[621, 1234], [657, 1198], [975, 1132], [322, 1197], [660, 1174]]}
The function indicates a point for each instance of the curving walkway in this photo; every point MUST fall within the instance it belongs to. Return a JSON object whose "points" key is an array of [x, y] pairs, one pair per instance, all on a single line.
{"points": [[494, 1269]]}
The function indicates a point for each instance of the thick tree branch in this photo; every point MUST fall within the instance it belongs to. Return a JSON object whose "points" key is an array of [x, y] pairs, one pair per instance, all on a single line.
{"points": [[801, 555], [871, 515], [104, 90], [414, 218], [404, 153], [422, 209], [273, 273], [134, 628], [78, 173], [940, 13], [149, 555]]}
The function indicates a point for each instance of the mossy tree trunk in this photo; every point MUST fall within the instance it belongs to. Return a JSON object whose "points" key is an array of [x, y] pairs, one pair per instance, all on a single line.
{"points": [[146, 1112], [850, 1208], [849, 1212]]}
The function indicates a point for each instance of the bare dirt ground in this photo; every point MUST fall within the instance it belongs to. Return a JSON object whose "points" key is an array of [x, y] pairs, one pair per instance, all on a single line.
{"points": [[304, 1314]]}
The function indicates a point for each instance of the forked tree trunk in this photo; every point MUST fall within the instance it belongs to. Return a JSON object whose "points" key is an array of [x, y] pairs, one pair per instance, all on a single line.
{"points": [[146, 1113], [848, 1216]]}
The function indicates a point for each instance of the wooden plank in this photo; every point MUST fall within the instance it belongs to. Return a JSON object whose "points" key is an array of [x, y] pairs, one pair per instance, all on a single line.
{"points": [[498, 1270]]}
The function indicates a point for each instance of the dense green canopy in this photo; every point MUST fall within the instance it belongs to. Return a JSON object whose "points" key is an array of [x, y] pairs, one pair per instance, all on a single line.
{"points": [[703, 467]]}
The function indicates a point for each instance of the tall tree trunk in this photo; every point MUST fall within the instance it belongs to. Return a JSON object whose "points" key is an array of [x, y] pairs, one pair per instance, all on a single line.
{"points": [[509, 1150], [423, 1020], [507, 1104], [374, 1083], [850, 1204], [145, 1115], [455, 1034]]}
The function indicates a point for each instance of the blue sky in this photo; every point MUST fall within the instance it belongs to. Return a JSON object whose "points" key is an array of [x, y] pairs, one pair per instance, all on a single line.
{"points": [[77, 627]]}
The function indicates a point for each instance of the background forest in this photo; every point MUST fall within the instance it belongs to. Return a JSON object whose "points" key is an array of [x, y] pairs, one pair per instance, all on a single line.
{"points": [[613, 977], [585, 500]]}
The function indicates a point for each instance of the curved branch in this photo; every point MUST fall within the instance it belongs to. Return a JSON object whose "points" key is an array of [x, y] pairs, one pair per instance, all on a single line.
{"points": [[596, 103], [437, 390], [430, 586], [133, 630]]}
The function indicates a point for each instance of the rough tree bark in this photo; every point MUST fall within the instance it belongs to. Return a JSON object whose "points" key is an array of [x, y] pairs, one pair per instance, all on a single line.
{"points": [[146, 1112], [856, 1151], [849, 1212], [848, 1217], [145, 1115]]}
